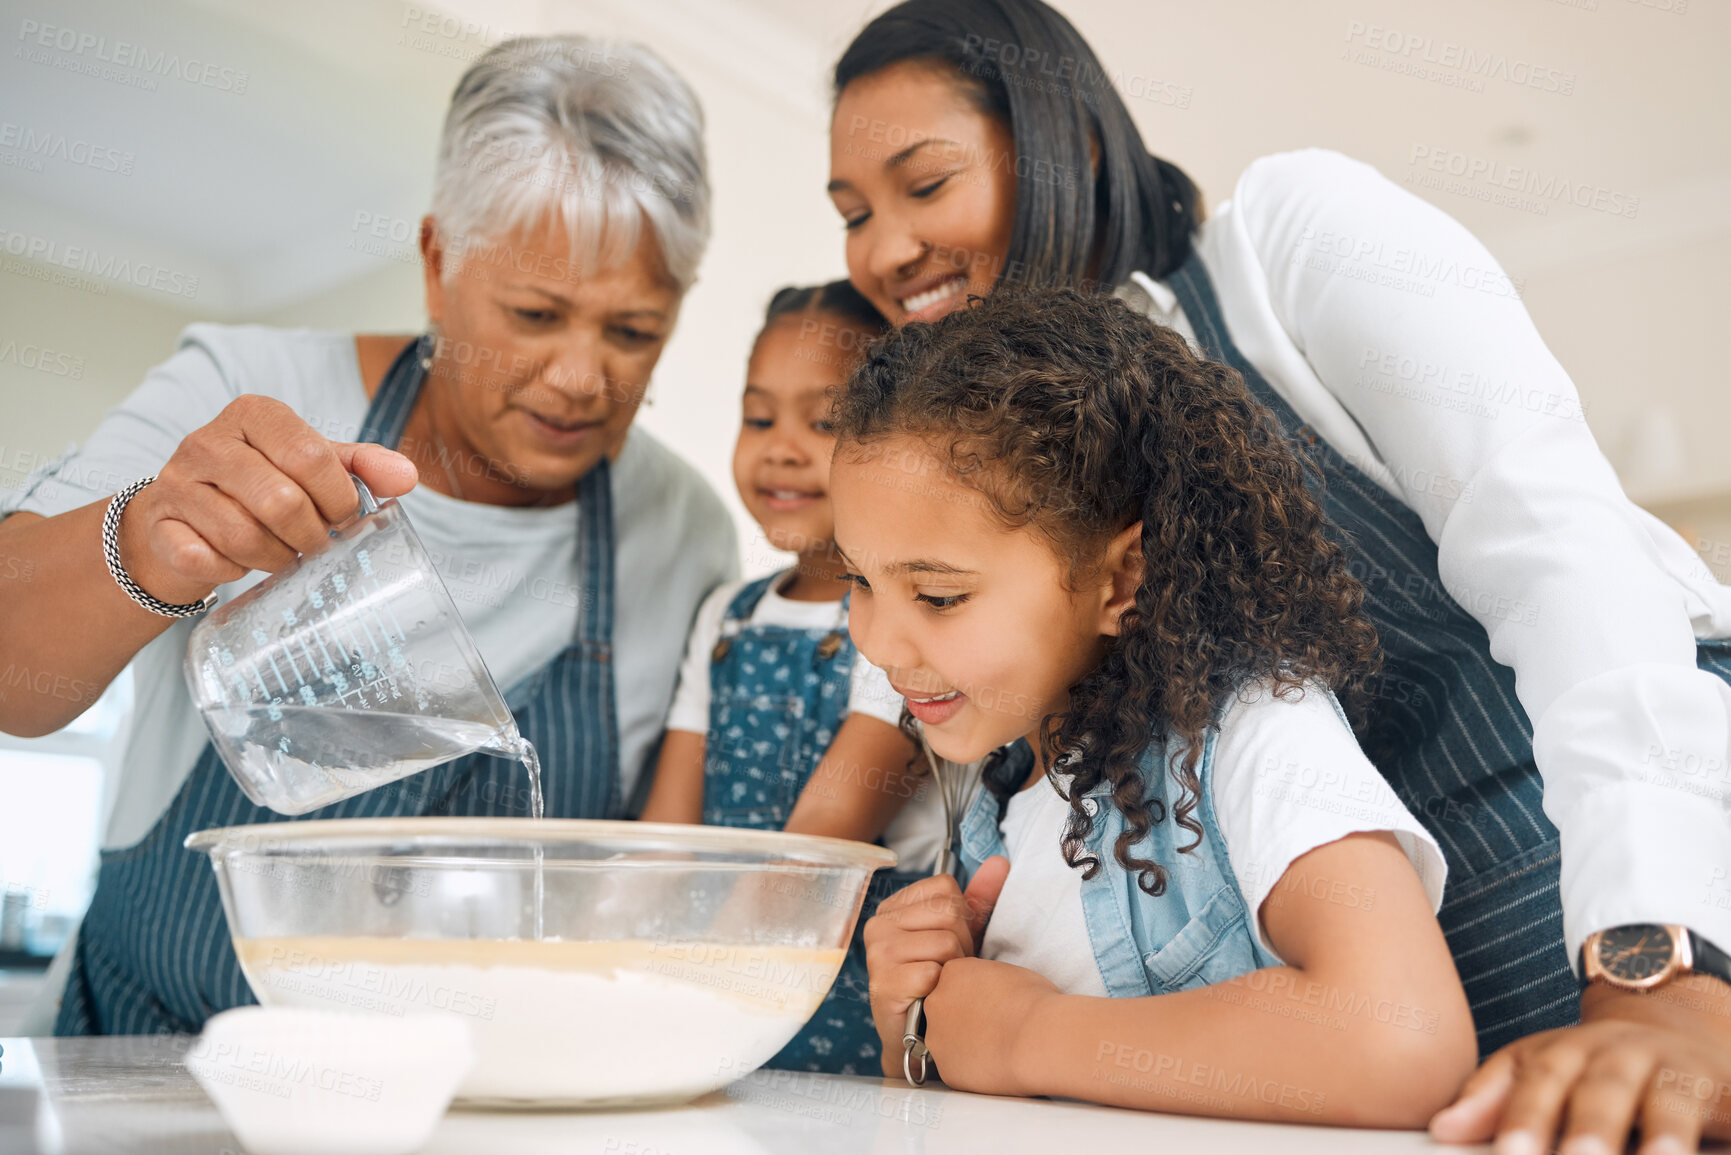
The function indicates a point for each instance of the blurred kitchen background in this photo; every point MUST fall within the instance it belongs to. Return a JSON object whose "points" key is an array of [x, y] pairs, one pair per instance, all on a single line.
{"points": [[286, 191]]}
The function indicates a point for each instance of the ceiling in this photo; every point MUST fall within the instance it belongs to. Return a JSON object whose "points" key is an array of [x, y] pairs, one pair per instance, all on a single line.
{"points": [[258, 193]]}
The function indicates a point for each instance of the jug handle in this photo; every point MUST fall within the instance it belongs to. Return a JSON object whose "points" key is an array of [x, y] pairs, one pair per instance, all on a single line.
{"points": [[368, 504]]}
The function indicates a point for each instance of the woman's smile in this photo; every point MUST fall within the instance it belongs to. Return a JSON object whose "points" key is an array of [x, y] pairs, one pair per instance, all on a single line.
{"points": [[931, 223], [933, 297]]}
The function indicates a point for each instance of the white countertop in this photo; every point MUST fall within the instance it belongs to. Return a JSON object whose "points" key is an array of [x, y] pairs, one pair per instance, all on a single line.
{"points": [[131, 1093]]}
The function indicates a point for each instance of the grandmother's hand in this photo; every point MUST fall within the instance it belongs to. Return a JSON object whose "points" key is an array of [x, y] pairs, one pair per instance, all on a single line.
{"points": [[251, 490]]}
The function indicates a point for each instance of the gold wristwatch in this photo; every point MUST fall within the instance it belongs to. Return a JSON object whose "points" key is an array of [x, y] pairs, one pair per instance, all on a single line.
{"points": [[1642, 956]]}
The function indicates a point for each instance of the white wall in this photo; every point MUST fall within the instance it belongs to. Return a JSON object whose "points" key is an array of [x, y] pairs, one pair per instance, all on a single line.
{"points": [[91, 349], [1631, 306]]}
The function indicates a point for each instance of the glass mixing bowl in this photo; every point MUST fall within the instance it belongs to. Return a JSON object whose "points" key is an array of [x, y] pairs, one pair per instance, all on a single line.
{"points": [[671, 959]]}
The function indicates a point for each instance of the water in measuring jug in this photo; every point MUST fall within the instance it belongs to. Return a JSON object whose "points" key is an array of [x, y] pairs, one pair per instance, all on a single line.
{"points": [[349, 670], [356, 749]]}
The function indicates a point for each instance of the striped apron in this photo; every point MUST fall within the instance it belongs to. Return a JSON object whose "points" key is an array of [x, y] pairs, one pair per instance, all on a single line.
{"points": [[1445, 729], [153, 953]]}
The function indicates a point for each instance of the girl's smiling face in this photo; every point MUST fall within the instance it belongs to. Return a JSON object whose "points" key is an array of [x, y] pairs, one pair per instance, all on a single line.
{"points": [[925, 182], [781, 460], [972, 621]]}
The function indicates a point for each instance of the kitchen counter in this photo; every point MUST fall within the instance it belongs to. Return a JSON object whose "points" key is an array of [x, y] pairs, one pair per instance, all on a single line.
{"points": [[132, 1093]]}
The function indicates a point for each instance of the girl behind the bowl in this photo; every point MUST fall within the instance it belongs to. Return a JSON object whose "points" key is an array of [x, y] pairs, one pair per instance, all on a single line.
{"points": [[1112, 559], [776, 723]]}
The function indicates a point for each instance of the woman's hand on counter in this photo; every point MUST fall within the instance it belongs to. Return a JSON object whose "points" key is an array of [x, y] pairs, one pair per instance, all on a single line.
{"points": [[1658, 1062], [251, 490]]}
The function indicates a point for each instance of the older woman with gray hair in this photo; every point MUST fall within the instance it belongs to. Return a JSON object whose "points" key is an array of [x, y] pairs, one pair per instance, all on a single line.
{"points": [[570, 209]]}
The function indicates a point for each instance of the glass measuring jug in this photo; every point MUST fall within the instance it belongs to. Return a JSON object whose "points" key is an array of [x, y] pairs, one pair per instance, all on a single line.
{"points": [[347, 670]]}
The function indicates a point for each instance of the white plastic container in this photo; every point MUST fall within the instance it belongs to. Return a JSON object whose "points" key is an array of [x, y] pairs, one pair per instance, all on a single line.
{"points": [[295, 1081]]}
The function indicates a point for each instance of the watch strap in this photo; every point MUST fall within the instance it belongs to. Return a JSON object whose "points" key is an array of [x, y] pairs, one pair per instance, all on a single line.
{"points": [[1708, 959]]}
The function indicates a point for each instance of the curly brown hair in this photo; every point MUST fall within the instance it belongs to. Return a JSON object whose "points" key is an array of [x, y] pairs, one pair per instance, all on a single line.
{"points": [[1077, 417]]}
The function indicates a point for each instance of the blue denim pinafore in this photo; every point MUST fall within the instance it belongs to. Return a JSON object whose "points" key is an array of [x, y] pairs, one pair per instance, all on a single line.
{"points": [[777, 696], [1197, 933]]}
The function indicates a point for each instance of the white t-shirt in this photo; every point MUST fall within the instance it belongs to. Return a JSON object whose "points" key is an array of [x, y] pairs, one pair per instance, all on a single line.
{"points": [[1394, 333], [918, 830], [1287, 777], [512, 572], [1038, 921]]}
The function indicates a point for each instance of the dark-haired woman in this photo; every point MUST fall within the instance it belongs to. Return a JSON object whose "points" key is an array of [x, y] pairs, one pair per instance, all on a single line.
{"points": [[1552, 669]]}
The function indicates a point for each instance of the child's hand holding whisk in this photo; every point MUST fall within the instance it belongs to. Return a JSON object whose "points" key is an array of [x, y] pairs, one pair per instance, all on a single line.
{"points": [[914, 933]]}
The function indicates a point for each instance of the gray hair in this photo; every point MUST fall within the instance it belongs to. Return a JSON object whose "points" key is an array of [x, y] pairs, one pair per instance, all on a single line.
{"points": [[603, 133]]}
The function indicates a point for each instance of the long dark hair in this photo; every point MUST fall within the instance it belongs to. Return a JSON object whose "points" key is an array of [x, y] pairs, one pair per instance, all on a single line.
{"points": [[1075, 416], [1024, 62]]}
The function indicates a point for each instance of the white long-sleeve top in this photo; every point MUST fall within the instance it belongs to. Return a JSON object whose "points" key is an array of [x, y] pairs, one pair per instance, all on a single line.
{"points": [[1396, 335]]}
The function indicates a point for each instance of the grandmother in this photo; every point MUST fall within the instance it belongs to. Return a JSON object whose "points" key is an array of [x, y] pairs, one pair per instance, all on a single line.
{"points": [[570, 209]]}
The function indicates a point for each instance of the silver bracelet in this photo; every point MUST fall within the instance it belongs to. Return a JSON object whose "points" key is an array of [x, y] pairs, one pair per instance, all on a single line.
{"points": [[111, 553]]}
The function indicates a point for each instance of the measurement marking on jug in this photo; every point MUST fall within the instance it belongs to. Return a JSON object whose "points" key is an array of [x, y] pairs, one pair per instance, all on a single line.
{"points": [[381, 624], [402, 634], [277, 670], [288, 656], [360, 651], [311, 661], [342, 648], [330, 663], [372, 641], [334, 675]]}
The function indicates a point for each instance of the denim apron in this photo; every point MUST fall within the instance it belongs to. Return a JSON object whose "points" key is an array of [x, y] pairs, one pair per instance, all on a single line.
{"points": [[777, 697], [153, 953], [1195, 934], [1445, 729]]}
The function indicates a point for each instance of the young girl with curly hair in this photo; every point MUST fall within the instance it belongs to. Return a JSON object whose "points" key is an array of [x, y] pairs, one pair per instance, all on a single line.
{"points": [[1081, 549]]}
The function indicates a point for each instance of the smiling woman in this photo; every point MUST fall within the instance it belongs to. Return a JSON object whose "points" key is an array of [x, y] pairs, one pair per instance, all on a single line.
{"points": [[953, 172], [881, 177], [1544, 640], [569, 212]]}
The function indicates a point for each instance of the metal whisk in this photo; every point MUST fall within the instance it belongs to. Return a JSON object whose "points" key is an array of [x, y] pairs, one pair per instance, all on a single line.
{"points": [[956, 791]]}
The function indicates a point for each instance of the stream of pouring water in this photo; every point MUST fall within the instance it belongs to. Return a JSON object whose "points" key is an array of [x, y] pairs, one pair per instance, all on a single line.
{"points": [[532, 763]]}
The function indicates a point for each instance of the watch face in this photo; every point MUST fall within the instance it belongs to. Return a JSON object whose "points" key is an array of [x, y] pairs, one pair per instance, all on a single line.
{"points": [[1635, 953]]}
